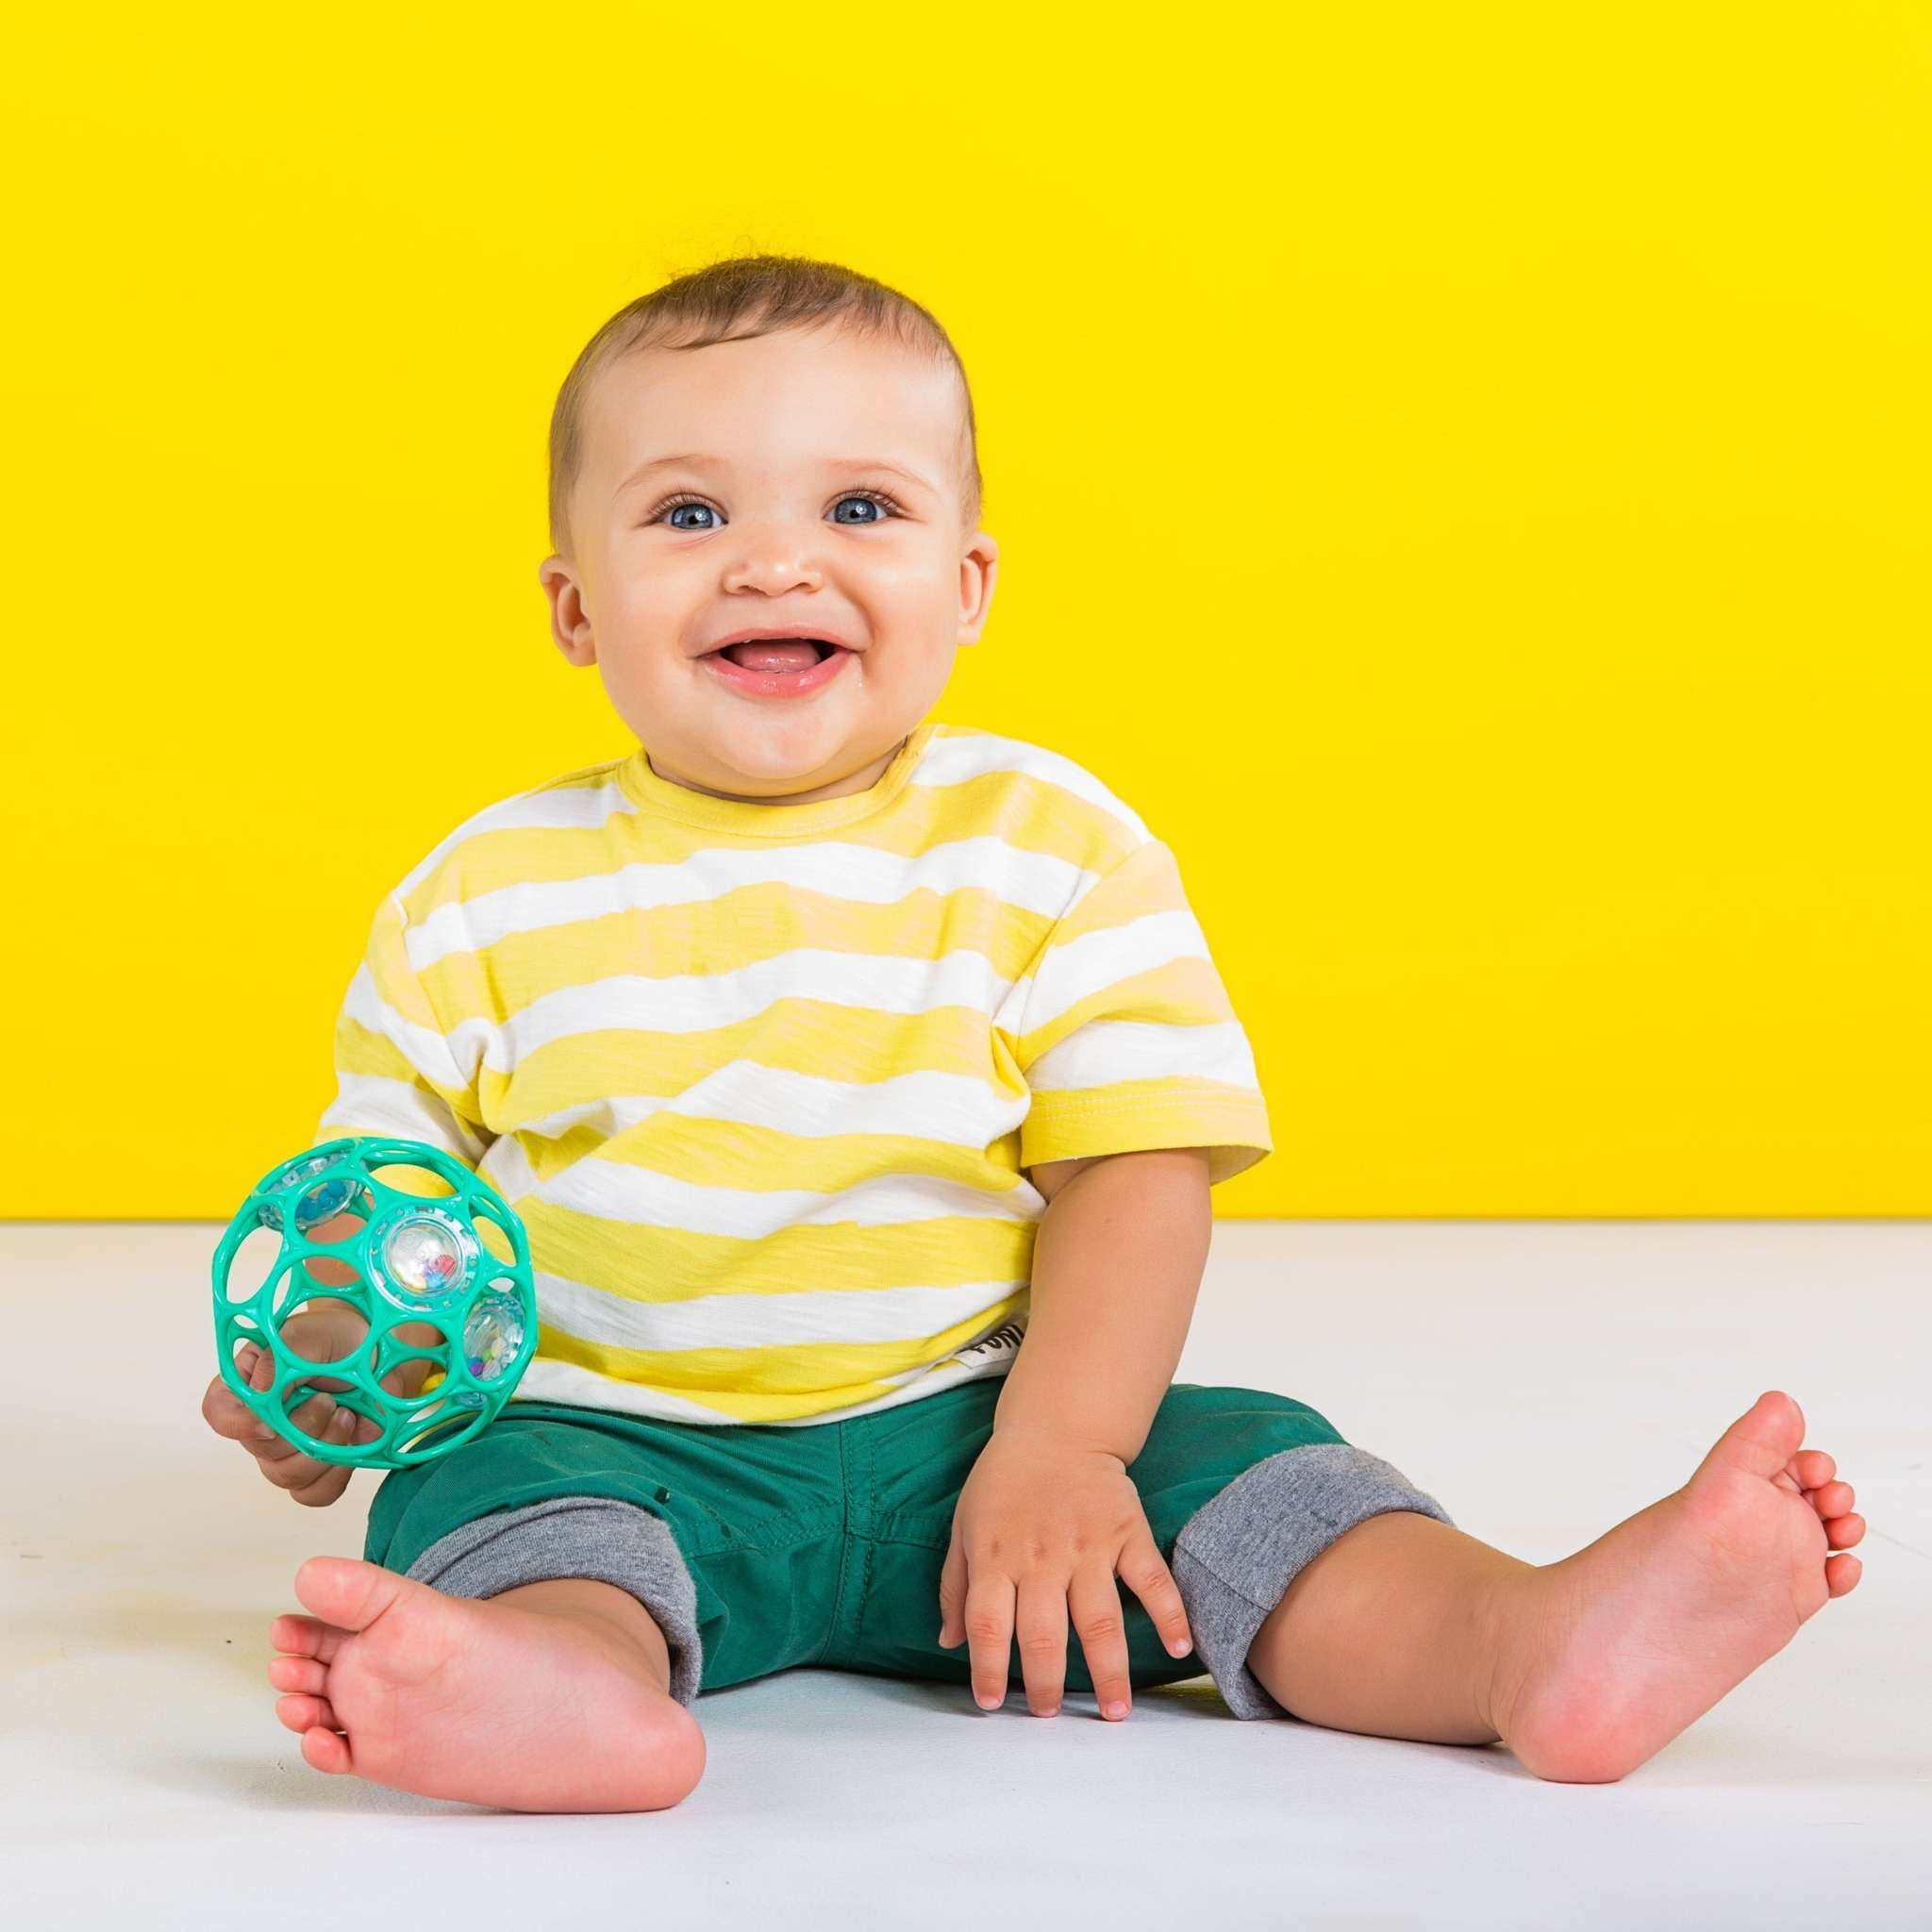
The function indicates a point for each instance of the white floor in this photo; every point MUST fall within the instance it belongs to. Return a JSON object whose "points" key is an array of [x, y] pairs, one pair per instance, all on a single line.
{"points": [[1543, 1379]]}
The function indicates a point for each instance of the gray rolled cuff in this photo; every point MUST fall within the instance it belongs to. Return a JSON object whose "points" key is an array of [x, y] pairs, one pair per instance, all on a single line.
{"points": [[594, 1537], [1235, 1556]]}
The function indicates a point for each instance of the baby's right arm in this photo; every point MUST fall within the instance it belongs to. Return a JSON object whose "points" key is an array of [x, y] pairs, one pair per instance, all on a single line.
{"points": [[323, 1330]]}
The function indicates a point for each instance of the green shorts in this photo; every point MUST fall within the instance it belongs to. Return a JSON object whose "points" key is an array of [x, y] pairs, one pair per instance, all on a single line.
{"points": [[761, 1548]]}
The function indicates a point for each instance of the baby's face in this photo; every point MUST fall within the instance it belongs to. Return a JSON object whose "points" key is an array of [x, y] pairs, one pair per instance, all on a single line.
{"points": [[802, 481]]}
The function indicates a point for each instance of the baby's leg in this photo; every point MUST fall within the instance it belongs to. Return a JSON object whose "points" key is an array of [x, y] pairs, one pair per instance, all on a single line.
{"points": [[1405, 1627], [552, 1696], [1395, 1630]]}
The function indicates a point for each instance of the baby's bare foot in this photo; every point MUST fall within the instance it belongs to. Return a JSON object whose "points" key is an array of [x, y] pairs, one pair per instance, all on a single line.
{"points": [[1615, 1650], [476, 1699]]}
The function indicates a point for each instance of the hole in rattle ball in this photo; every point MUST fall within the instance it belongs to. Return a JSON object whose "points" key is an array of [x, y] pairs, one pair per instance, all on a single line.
{"points": [[311, 1403], [333, 1270], [441, 1424], [311, 1326], [412, 1178], [398, 1366], [496, 1244], [246, 1334], [253, 1262]]}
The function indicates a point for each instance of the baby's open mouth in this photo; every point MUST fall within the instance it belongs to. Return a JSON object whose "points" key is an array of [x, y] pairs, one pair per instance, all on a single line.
{"points": [[777, 654]]}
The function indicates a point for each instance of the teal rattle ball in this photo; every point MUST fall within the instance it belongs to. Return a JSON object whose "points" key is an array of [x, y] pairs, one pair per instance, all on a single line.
{"points": [[418, 1259]]}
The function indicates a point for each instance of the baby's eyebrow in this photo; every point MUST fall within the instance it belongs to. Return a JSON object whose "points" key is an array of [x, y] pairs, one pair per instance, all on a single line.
{"points": [[700, 459]]}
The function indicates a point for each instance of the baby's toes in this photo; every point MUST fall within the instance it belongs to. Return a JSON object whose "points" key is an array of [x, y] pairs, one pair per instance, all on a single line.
{"points": [[306, 1637], [1814, 1468], [1841, 1573], [298, 1674], [1842, 1532], [302, 1714], [325, 1750], [1830, 1499]]}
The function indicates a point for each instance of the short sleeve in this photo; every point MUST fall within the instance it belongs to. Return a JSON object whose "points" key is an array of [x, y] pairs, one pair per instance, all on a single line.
{"points": [[395, 1071], [1127, 1039]]}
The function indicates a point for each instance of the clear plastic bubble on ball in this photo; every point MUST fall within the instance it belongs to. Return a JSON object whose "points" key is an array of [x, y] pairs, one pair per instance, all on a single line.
{"points": [[417, 1259]]}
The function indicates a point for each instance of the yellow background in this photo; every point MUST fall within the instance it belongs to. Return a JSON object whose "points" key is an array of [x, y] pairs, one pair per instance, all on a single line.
{"points": [[1461, 473]]}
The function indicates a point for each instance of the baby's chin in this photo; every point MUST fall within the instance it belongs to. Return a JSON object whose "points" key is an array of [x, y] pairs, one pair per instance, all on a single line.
{"points": [[774, 768]]}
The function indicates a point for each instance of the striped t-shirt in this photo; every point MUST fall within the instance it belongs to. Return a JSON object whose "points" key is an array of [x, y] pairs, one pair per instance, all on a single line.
{"points": [[764, 1081]]}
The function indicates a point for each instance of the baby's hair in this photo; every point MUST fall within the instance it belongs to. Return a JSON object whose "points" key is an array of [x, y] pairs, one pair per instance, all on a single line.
{"points": [[750, 295]]}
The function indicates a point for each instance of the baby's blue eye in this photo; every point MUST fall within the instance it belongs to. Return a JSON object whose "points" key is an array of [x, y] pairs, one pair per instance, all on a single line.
{"points": [[877, 503], [877, 499]]}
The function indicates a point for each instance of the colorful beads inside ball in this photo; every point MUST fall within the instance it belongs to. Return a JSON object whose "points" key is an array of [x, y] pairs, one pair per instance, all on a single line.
{"points": [[423, 1255], [318, 1204], [493, 1334]]}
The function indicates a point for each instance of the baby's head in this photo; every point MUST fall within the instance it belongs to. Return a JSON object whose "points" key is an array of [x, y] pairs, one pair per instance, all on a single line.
{"points": [[703, 451]]}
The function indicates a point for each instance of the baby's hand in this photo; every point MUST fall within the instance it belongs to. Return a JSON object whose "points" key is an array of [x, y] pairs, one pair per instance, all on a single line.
{"points": [[324, 1331], [324, 1334], [1042, 1525]]}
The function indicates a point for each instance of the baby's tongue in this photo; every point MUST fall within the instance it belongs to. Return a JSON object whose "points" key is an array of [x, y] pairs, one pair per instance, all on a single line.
{"points": [[773, 654]]}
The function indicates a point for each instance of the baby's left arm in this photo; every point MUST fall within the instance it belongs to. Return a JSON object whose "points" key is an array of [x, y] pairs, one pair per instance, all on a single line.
{"points": [[1117, 1264]]}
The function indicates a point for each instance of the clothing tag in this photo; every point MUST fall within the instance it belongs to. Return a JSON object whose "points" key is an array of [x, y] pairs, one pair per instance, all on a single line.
{"points": [[1005, 1340]]}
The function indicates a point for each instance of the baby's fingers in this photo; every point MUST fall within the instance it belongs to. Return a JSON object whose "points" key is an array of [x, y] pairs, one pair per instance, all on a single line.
{"points": [[1094, 1605], [227, 1415], [306, 1477], [257, 1369], [1143, 1572]]}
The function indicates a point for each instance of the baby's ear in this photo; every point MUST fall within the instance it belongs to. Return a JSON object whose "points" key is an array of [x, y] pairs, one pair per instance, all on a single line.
{"points": [[569, 625]]}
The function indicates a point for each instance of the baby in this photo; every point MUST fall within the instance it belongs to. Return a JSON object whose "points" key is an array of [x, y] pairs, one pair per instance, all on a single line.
{"points": [[860, 1081]]}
